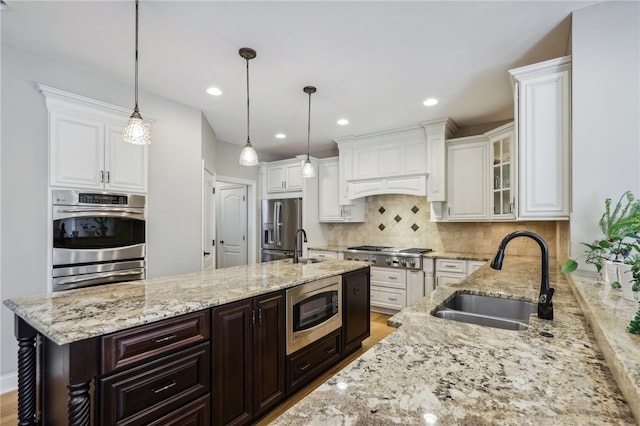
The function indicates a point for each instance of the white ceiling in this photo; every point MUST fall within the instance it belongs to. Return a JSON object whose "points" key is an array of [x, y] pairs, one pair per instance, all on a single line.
{"points": [[373, 63]]}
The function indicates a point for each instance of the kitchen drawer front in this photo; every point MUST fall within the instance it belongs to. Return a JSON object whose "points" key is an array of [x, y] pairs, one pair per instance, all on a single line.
{"points": [[388, 297], [474, 265], [445, 279], [323, 254], [146, 392], [451, 265], [196, 413], [308, 362], [147, 342], [387, 277]]}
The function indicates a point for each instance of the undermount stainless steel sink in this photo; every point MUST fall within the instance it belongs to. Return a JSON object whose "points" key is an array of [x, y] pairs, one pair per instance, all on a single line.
{"points": [[488, 311]]}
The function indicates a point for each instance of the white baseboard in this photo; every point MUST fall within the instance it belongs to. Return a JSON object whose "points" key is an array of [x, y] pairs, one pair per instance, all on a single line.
{"points": [[8, 382]]}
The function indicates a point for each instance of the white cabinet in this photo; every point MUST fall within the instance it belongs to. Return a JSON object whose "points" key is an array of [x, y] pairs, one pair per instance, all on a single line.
{"points": [[86, 149], [452, 271], [324, 254], [543, 114], [415, 286], [502, 167], [283, 176], [481, 177], [393, 162], [330, 208], [388, 289], [468, 178], [429, 279]]}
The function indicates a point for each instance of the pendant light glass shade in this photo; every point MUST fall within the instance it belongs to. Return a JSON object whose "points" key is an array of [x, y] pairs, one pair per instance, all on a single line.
{"points": [[248, 155], [308, 171], [136, 131]]}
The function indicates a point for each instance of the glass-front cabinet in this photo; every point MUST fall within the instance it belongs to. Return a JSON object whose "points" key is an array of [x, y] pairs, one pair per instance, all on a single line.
{"points": [[502, 172]]}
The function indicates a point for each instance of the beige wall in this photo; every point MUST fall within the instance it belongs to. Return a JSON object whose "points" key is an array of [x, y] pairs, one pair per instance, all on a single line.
{"points": [[397, 221]]}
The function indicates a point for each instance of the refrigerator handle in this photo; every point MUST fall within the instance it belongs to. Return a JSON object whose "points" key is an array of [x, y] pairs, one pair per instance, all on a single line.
{"points": [[277, 211]]}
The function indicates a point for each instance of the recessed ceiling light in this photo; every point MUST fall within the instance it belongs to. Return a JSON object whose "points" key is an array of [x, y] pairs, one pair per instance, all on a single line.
{"points": [[430, 102], [343, 122], [214, 91], [280, 135]]}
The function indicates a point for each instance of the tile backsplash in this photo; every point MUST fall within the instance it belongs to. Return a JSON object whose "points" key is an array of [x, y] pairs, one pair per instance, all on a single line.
{"points": [[405, 221]]}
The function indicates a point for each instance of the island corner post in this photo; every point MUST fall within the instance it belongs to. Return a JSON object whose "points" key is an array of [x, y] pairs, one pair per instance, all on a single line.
{"points": [[61, 372]]}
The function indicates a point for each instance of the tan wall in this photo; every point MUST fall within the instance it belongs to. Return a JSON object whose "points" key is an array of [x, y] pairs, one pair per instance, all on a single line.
{"points": [[391, 220]]}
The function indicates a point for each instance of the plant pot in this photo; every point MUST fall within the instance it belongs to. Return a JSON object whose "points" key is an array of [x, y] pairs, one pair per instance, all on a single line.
{"points": [[624, 278]]}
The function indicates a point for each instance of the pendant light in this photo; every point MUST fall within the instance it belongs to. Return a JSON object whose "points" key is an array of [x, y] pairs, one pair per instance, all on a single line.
{"points": [[308, 171], [136, 130], [248, 155]]}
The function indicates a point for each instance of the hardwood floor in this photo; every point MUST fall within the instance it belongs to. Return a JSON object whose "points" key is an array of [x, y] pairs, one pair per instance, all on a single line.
{"points": [[379, 330]]}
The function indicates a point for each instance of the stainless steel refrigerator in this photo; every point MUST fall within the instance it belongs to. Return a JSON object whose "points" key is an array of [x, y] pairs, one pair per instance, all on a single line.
{"points": [[280, 220]]}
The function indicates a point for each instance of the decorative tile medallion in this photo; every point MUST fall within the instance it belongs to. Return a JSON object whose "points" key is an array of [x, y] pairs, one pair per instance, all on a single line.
{"points": [[415, 210], [397, 218], [381, 227], [414, 227], [381, 210]]}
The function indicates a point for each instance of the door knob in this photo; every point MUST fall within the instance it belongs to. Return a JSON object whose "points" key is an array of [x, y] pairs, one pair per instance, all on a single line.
{"points": [[222, 242]]}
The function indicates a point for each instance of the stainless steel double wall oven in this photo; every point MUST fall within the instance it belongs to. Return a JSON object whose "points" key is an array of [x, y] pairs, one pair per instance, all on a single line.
{"points": [[98, 238]]}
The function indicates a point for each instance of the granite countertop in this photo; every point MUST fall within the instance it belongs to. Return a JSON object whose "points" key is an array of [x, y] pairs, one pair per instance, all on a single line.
{"points": [[74, 315], [458, 255], [441, 372], [328, 248]]}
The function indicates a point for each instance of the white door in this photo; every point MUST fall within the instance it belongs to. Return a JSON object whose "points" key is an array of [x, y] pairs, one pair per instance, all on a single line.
{"points": [[209, 221], [232, 226]]}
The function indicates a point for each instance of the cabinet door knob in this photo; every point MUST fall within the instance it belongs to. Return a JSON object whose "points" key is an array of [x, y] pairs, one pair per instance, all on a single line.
{"points": [[101, 176]]}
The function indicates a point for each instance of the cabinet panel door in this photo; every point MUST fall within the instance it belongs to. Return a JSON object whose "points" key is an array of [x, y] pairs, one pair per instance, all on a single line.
{"points": [[356, 309], [126, 164], [545, 133], [468, 180], [76, 150], [275, 179], [232, 363], [328, 193], [293, 177], [269, 352]]}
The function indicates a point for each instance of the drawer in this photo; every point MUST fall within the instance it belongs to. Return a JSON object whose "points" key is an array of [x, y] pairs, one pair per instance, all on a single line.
{"points": [[451, 265], [323, 254], [309, 362], [474, 265], [388, 277], [196, 413], [388, 297], [147, 342], [151, 390], [444, 279]]}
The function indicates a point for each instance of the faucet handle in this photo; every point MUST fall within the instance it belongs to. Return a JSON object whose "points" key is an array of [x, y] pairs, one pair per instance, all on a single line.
{"points": [[545, 305]]}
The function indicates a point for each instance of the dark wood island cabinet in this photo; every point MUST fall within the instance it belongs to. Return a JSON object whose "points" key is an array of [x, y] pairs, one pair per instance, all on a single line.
{"points": [[222, 363]]}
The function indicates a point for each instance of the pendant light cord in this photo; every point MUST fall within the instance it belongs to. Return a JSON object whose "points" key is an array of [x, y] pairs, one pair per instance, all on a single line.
{"points": [[248, 139], [136, 78], [309, 127]]}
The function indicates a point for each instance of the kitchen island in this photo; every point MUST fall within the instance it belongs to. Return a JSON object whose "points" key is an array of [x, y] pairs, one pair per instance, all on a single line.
{"points": [[88, 334], [440, 372]]}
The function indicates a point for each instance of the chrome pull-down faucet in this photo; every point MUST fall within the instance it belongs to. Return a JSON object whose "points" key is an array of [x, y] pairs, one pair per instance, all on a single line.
{"points": [[545, 304], [295, 244]]}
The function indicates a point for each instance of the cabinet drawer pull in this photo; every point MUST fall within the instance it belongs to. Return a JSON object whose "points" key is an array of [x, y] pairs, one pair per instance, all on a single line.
{"points": [[393, 278], [450, 266], [164, 388], [330, 350], [304, 366], [393, 299], [165, 339]]}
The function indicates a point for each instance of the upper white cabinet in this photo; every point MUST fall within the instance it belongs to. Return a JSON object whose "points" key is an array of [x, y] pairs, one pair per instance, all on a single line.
{"points": [[283, 176], [543, 115], [330, 208], [502, 168], [86, 149], [468, 178], [393, 162]]}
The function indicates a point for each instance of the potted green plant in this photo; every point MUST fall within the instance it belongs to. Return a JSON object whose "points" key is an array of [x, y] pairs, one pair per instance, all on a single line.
{"points": [[620, 238]]}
